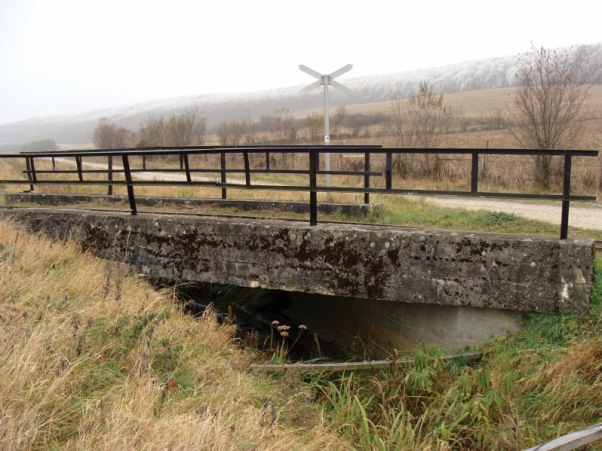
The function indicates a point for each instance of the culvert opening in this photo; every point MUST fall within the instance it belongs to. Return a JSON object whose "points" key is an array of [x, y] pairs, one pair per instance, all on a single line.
{"points": [[263, 319]]}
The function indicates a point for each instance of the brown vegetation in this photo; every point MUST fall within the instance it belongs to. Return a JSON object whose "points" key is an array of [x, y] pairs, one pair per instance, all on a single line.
{"points": [[93, 358]]}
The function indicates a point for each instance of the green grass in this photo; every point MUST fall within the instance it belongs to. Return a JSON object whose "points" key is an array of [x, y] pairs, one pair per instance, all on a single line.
{"points": [[529, 387], [409, 212]]}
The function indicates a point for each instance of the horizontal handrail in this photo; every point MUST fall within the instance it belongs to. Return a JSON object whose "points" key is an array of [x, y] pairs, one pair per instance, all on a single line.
{"points": [[313, 170], [199, 150]]}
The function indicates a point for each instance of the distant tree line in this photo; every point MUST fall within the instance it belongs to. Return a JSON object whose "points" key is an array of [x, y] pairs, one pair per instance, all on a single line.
{"points": [[42, 145], [184, 129]]}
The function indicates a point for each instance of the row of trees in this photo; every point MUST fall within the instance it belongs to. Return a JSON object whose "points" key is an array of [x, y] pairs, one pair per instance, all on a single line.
{"points": [[278, 129], [185, 129]]}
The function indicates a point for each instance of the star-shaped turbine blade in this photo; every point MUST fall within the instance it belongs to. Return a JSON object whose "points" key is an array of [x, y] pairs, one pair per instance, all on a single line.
{"points": [[341, 71], [311, 72], [340, 87], [311, 87]]}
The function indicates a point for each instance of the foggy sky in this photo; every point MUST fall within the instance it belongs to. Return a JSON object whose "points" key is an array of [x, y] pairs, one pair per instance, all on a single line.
{"points": [[67, 56]]}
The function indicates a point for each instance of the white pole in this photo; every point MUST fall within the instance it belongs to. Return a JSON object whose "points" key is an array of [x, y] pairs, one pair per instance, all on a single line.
{"points": [[325, 80], [326, 134]]}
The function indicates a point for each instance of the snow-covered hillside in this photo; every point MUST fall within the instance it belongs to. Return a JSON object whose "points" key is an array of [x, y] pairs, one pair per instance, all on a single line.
{"points": [[467, 76]]}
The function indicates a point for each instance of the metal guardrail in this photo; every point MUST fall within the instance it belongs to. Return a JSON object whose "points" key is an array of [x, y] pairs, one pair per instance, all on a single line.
{"points": [[571, 441], [313, 152]]}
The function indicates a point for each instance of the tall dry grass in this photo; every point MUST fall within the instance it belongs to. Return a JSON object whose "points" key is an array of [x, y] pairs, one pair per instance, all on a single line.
{"points": [[93, 358]]}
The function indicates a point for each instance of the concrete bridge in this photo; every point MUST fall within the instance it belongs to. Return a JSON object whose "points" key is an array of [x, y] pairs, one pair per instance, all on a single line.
{"points": [[392, 285]]}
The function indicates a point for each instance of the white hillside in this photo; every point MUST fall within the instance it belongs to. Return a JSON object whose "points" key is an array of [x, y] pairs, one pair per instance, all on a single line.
{"points": [[467, 76]]}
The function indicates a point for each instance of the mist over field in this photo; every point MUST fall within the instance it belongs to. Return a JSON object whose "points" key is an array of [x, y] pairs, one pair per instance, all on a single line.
{"points": [[491, 73]]}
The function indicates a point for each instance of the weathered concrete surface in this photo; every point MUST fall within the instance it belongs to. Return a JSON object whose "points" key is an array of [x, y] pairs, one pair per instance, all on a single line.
{"points": [[383, 326], [349, 209], [507, 272]]}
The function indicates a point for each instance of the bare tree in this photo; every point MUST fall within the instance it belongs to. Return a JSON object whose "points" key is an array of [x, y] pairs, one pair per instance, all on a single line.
{"points": [[355, 122], [186, 129], [315, 124], [283, 130], [401, 132], [223, 133], [230, 133], [237, 132], [282, 127], [419, 123], [250, 135], [152, 133], [427, 117], [108, 135], [547, 106], [339, 115]]}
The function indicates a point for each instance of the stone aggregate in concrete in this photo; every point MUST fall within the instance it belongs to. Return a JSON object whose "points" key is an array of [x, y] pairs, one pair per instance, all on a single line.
{"points": [[419, 266]]}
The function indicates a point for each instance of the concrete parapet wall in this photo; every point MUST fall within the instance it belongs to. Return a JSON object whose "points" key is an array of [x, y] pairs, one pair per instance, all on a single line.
{"points": [[349, 209], [507, 272]]}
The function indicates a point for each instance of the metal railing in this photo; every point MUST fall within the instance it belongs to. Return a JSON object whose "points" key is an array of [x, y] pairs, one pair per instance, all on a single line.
{"points": [[312, 171]]}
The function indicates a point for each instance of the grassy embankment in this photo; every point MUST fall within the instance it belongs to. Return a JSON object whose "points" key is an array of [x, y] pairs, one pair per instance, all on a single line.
{"points": [[94, 359], [531, 386]]}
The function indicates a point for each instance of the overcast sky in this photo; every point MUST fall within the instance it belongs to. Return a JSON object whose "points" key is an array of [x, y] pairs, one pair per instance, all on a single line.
{"points": [[68, 56]]}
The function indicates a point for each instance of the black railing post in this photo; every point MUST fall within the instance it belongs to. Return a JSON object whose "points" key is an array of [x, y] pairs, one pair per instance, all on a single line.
{"points": [[313, 195], [78, 163], [245, 156], [31, 172], [53, 164], [367, 177], [223, 163], [388, 170], [28, 170], [474, 178], [32, 167], [187, 167], [566, 193], [128, 179], [267, 161], [110, 164]]}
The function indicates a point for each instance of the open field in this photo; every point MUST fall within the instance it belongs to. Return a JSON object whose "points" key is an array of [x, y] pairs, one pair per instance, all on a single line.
{"points": [[475, 105]]}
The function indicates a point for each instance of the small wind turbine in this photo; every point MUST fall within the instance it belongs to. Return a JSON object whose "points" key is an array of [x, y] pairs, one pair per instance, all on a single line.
{"points": [[325, 80]]}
